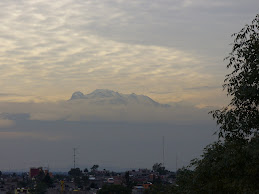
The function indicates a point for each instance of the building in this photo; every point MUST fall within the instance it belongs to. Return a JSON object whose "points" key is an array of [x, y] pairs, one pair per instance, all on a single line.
{"points": [[35, 172]]}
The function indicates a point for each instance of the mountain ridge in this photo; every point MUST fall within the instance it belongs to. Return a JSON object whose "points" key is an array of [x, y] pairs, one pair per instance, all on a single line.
{"points": [[106, 96]]}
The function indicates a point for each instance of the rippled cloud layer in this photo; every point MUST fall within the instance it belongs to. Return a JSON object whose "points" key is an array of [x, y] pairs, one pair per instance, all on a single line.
{"points": [[50, 49]]}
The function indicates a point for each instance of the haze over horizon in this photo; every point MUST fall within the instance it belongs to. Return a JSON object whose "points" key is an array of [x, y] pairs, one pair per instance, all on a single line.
{"points": [[168, 53]]}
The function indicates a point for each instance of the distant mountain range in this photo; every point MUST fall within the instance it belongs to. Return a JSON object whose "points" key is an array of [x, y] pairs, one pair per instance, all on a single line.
{"points": [[104, 96]]}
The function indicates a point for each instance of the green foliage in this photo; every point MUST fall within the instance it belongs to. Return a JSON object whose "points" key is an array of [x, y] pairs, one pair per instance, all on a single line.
{"points": [[79, 177], [23, 184], [77, 181], [75, 172], [41, 188], [184, 181], [40, 176], [158, 167], [47, 180], [114, 189], [231, 165], [93, 185], [58, 177], [240, 118], [85, 180], [94, 167], [40, 185], [160, 188], [127, 179]]}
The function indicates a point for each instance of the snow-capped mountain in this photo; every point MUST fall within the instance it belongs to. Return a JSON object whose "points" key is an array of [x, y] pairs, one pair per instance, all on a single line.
{"points": [[104, 96]]}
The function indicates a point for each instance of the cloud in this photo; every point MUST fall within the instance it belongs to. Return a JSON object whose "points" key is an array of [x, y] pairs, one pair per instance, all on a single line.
{"points": [[27, 135], [170, 50], [92, 110], [130, 46], [57, 127], [6, 123], [203, 88], [8, 94]]}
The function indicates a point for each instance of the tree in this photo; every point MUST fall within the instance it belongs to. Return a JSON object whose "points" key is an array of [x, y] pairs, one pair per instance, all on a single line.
{"points": [[158, 167], [114, 189], [160, 189], [77, 175], [41, 188], [94, 167], [40, 176], [127, 178], [86, 170], [225, 167], [231, 165], [75, 172], [85, 180], [47, 180], [240, 118], [184, 181]]}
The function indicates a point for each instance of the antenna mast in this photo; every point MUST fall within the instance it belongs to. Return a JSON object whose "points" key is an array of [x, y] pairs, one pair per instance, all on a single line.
{"points": [[74, 157], [176, 160], [163, 151]]}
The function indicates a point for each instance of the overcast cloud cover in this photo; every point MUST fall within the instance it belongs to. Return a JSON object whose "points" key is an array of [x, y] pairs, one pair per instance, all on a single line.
{"points": [[169, 50]]}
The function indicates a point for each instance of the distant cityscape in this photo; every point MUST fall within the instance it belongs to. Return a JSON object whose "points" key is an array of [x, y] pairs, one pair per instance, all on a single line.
{"points": [[129, 97], [89, 181]]}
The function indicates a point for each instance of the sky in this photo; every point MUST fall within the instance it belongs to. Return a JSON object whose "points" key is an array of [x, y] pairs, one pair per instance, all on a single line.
{"points": [[169, 50]]}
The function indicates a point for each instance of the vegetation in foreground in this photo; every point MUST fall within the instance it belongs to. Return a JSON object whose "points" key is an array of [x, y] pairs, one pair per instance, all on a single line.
{"points": [[231, 165]]}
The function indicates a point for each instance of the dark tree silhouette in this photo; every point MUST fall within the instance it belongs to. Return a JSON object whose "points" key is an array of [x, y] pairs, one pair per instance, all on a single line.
{"points": [[240, 119], [231, 165]]}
